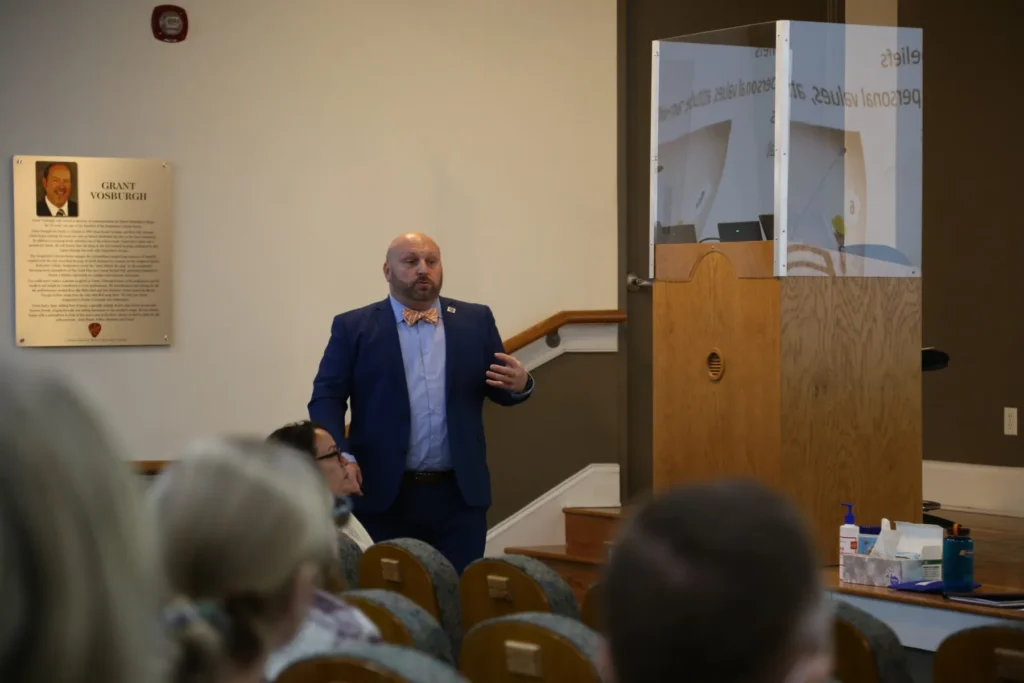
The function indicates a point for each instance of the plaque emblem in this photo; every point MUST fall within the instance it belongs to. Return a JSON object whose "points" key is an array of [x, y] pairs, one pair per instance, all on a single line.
{"points": [[94, 329], [169, 23]]}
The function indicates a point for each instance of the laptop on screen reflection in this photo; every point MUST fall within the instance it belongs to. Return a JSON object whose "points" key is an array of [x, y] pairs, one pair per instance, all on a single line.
{"points": [[677, 234], [743, 231]]}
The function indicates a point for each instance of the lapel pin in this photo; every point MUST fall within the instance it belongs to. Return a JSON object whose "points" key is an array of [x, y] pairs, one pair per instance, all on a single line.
{"points": [[450, 309]]}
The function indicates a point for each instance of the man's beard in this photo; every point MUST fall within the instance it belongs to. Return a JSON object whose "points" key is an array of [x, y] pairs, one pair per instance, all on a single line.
{"points": [[413, 293]]}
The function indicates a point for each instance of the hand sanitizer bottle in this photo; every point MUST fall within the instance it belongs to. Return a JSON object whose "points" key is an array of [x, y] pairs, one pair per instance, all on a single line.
{"points": [[848, 534]]}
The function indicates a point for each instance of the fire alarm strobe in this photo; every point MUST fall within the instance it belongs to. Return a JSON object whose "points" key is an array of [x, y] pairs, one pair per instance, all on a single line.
{"points": [[170, 23]]}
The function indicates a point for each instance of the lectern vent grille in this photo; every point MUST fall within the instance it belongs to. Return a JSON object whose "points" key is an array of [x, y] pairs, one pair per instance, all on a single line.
{"points": [[716, 366]]}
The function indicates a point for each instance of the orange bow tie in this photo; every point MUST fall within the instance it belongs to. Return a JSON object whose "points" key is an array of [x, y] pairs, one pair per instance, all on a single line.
{"points": [[412, 317]]}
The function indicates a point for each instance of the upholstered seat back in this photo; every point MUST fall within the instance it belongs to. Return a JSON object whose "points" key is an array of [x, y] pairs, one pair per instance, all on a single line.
{"points": [[402, 622], [510, 584], [370, 663], [866, 649], [984, 653], [420, 573], [537, 646]]}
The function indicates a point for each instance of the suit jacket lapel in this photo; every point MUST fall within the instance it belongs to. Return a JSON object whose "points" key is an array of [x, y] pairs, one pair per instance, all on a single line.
{"points": [[451, 339], [391, 345]]}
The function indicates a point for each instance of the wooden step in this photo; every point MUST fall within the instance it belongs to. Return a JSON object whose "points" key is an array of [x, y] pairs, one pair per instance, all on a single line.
{"points": [[579, 572], [590, 530]]}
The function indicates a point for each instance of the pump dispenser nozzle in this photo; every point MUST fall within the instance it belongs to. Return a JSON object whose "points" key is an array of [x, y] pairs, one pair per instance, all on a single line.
{"points": [[849, 513]]}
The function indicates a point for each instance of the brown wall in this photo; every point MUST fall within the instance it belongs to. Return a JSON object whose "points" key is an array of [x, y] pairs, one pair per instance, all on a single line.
{"points": [[973, 234], [570, 421]]}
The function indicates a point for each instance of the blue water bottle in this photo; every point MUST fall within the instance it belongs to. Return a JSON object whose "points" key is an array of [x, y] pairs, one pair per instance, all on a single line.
{"points": [[958, 561]]}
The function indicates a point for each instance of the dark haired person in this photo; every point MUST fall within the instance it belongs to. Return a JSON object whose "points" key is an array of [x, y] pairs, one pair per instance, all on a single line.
{"points": [[310, 437], [56, 199], [716, 582]]}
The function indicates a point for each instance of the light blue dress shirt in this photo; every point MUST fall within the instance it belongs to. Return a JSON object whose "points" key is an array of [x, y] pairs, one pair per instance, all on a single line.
{"points": [[423, 354]]}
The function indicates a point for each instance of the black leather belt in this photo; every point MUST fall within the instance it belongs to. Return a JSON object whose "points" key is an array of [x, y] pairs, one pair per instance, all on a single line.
{"points": [[438, 477]]}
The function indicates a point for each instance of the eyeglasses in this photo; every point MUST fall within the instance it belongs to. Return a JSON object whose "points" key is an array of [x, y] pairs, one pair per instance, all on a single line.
{"points": [[327, 456]]}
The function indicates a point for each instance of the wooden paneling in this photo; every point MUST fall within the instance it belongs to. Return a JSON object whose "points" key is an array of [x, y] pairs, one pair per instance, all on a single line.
{"points": [[642, 22], [851, 399], [820, 396], [678, 262], [703, 429]]}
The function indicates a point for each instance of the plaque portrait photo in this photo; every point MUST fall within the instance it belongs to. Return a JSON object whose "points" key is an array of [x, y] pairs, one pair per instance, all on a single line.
{"points": [[57, 188]]}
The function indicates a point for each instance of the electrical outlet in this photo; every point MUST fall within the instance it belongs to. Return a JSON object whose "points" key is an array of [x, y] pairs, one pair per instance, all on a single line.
{"points": [[1010, 421]]}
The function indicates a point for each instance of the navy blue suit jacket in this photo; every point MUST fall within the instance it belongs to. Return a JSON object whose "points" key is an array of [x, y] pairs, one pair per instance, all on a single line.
{"points": [[363, 365]]}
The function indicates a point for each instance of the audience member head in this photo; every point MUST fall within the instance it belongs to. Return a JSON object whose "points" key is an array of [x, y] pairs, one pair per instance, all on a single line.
{"points": [[76, 602], [413, 270], [243, 528], [716, 582], [312, 439]]}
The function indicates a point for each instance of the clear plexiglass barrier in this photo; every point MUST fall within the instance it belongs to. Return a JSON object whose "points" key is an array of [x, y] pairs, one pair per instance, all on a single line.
{"points": [[805, 134]]}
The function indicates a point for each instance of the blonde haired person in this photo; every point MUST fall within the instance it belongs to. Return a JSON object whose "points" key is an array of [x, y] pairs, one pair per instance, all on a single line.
{"points": [[243, 529], [75, 571]]}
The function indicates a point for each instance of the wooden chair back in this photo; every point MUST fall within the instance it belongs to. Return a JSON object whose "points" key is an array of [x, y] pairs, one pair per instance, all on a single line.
{"points": [[509, 584], [866, 649], [421, 573], [370, 663], [402, 622], [391, 567], [534, 646], [337, 670], [987, 654]]}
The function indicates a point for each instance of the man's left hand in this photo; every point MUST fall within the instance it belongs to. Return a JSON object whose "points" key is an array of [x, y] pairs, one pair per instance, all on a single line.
{"points": [[511, 376]]}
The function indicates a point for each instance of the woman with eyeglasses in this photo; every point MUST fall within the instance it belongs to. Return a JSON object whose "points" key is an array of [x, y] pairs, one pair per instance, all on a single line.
{"points": [[309, 437]]}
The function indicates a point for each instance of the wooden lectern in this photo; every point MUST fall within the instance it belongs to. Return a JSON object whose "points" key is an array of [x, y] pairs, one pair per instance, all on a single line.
{"points": [[810, 384]]}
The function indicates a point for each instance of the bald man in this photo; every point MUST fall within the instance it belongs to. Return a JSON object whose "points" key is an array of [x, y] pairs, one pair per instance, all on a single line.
{"points": [[415, 368]]}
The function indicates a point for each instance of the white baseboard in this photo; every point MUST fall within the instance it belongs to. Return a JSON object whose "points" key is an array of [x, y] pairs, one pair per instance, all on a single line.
{"points": [[975, 488], [541, 522], [600, 338]]}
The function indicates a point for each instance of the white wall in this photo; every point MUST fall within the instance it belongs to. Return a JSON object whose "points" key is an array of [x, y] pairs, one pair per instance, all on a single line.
{"points": [[303, 139]]}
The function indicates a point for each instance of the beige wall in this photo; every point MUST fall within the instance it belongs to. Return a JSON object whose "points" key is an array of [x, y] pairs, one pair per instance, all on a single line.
{"points": [[304, 136]]}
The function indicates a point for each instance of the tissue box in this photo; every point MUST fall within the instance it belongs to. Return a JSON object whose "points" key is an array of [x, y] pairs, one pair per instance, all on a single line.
{"points": [[880, 571]]}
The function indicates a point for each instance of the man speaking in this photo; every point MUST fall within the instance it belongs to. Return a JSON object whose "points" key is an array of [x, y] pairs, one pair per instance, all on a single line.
{"points": [[415, 369]]}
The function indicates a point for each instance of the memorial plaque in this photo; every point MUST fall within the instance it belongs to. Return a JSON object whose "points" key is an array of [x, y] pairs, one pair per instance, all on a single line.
{"points": [[92, 251]]}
